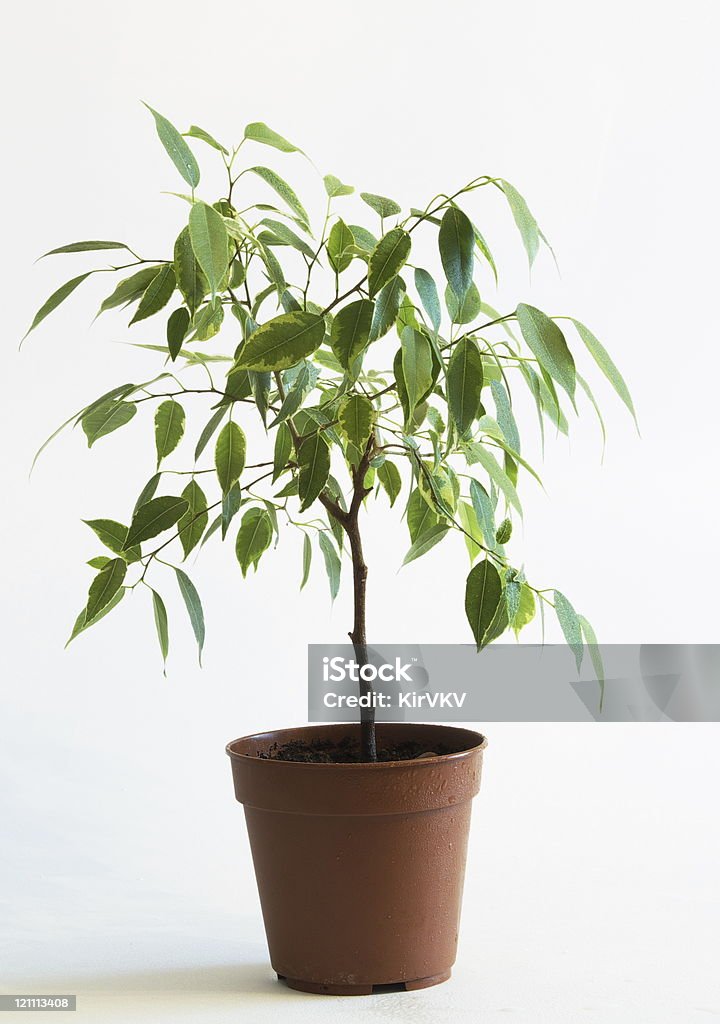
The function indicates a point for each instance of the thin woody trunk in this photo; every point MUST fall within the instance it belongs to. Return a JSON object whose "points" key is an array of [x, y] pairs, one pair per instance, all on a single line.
{"points": [[359, 639], [349, 522]]}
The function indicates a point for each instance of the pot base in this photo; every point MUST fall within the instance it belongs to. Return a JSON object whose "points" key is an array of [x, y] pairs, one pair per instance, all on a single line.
{"points": [[363, 990]]}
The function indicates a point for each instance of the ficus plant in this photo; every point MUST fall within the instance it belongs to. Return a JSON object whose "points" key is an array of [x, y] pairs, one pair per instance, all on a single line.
{"points": [[374, 377]]}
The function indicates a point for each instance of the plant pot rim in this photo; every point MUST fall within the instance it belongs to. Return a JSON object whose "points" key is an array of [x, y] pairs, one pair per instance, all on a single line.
{"points": [[277, 735]]}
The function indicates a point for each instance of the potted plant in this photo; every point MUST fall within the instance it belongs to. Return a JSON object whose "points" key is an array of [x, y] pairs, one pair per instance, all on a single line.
{"points": [[370, 380]]}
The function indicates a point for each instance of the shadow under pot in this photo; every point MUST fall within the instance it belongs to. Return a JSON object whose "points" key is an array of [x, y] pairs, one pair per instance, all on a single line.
{"points": [[360, 866]]}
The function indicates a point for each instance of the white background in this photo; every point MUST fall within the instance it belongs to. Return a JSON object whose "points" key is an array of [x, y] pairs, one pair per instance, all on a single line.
{"points": [[592, 889]]}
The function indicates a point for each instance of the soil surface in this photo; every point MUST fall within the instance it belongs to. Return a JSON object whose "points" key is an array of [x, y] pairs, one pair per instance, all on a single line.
{"points": [[347, 751]]}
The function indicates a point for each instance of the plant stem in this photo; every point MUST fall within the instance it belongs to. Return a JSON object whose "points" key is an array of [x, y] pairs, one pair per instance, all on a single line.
{"points": [[368, 746], [349, 522], [359, 639]]}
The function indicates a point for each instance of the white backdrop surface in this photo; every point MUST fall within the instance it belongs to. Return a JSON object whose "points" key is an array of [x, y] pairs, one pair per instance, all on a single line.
{"points": [[593, 886]]}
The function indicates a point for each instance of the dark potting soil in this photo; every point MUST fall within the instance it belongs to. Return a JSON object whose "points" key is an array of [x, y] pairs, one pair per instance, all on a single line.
{"points": [[347, 751]]}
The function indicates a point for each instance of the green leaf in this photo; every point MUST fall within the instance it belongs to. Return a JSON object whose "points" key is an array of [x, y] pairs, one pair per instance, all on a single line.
{"points": [[466, 311], [194, 609], [148, 491], [427, 290], [340, 246], [526, 223], [199, 133], [473, 534], [177, 327], [387, 305], [591, 398], [84, 247], [350, 332], [105, 418], [500, 621], [302, 384], [238, 273], [238, 385], [390, 479], [406, 316], [434, 417], [478, 453], [608, 367], [282, 450], [157, 294], [194, 520], [505, 415], [328, 360], [356, 417], [208, 430], [283, 341], [190, 279], [169, 428], [285, 235], [387, 259], [484, 513], [334, 187], [82, 623], [423, 215], [260, 384], [254, 537], [504, 533], [154, 517], [485, 250], [545, 395], [307, 421], [283, 190], [131, 289], [483, 594], [230, 455], [417, 365], [113, 535], [420, 516], [209, 240], [364, 239], [275, 274], [208, 320], [526, 609], [289, 490], [230, 507], [54, 301], [332, 563], [161, 625], [595, 655], [177, 149], [115, 393], [382, 206], [272, 512], [426, 541], [570, 625], [104, 587], [99, 562], [314, 463], [259, 132], [547, 343], [513, 590], [437, 488], [400, 387], [464, 384], [307, 552], [456, 240]]}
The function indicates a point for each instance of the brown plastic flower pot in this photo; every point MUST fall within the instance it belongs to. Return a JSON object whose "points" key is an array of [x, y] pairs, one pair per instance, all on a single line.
{"points": [[360, 867]]}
